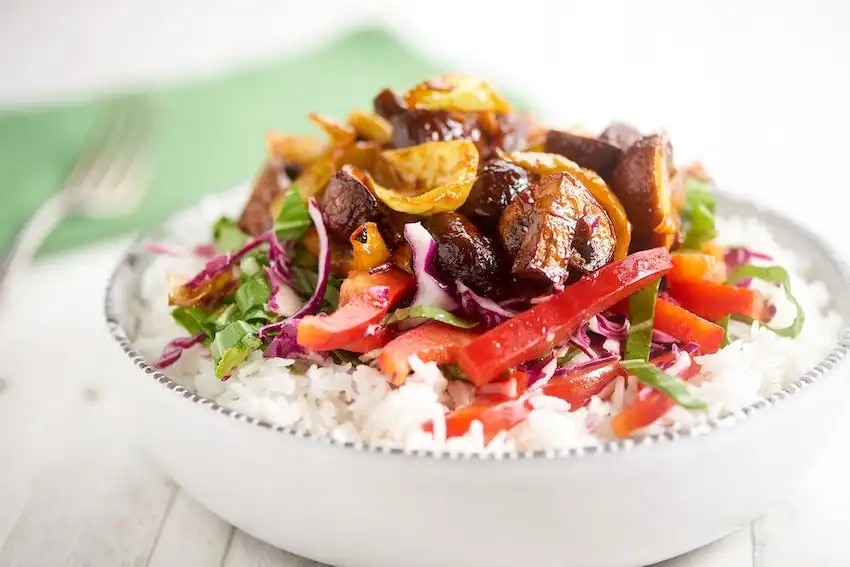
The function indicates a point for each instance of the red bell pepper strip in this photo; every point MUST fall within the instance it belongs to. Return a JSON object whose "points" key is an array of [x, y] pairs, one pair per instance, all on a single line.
{"points": [[364, 300], [579, 385], [375, 338], [495, 416], [695, 267], [687, 327], [651, 404], [714, 301], [431, 342], [534, 332]]}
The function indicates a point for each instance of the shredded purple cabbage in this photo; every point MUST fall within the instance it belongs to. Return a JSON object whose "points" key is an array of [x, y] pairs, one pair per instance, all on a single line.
{"points": [[277, 272], [662, 337], [430, 290], [207, 250], [572, 367], [172, 351], [581, 340], [219, 264], [608, 327], [313, 304], [540, 372], [285, 344], [487, 312], [737, 257]]}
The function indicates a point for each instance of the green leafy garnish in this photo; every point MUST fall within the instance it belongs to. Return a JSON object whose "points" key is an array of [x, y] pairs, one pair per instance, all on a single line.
{"points": [[642, 317], [723, 323], [232, 345], [194, 319], [572, 352], [659, 380], [344, 356], [454, 372], [293, 220], [304, 283], [428, 312], [228, 237], [254, 293], [776, 275], [223, 316], [698, 214]]}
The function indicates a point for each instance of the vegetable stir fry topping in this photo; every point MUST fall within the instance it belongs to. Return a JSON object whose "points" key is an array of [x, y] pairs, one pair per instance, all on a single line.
{"points": [[447, 226]]}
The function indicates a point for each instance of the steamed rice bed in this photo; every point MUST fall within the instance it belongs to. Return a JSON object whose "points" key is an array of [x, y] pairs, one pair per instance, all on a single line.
{"points": [[356, 404]]}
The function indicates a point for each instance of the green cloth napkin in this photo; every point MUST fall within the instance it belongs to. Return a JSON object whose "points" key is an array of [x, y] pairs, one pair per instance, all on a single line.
{"points": [[210, 133]]}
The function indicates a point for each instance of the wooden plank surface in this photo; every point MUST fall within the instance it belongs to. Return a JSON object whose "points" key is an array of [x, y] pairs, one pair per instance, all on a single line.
{"points": [[76, 490]]}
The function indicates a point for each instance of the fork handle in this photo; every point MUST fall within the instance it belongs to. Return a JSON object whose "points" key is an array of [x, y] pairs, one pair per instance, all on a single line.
{"points": [[31, 236]]}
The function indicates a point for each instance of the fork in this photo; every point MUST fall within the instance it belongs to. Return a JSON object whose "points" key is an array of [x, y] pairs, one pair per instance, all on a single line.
{"points": [[107, 181]]}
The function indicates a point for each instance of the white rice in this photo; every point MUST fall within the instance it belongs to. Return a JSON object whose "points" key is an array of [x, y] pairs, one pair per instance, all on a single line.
{"points": [[356, 404]]}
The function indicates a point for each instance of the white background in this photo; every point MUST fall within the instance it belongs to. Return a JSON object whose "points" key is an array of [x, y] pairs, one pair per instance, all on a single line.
{"points": [[758, 89]]}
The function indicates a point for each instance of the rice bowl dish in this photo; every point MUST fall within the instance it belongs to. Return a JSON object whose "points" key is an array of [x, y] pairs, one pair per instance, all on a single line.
{"points": [[587, 384]]}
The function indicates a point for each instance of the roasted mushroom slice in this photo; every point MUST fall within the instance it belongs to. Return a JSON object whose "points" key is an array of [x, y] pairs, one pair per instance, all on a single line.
{"points": [[498, 182], [257, 216], [621, 135], [464, 254], [414, 127], [554, 226], [591, 153], [388, 104], [642, 183], [347, 203]]}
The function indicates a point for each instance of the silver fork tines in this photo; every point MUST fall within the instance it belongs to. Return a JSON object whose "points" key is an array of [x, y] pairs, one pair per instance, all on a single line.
{"points": [[108, 179]]}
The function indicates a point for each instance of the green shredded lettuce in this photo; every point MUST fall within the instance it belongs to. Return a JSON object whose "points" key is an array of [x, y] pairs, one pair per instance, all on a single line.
{"points": [[194, 319], [304, 282], [723, 323], [698, 215], [428, 312], [779, 276], [253, 293], [232, 345], [668, 384], [293, 220], [454, 372], [641, 317], [228, 237]]}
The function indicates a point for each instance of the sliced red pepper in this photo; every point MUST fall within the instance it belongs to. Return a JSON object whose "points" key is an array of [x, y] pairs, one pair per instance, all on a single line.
{"points": [[431, 342], [534, 332], [714, 301], [696, 267], [687, 327], [364, 300], [495, 416], [375, 338], [579, 385], [651, 405]]}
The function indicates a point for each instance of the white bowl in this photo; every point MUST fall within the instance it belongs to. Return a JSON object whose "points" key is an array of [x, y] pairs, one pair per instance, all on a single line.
{"points": [[622, 504]]}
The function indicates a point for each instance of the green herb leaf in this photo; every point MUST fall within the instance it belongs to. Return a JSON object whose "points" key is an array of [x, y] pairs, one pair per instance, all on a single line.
{"points": [[659, 380], [223, 316], [194, 319], [723, 323], [232, 345], [257, 315], [228, 237], [343, 356], [293, 220], [252, 294], [454, 372], [698, 215], [428, 312], [777, 275], [304, 282], [642, 317], [572, 352]]}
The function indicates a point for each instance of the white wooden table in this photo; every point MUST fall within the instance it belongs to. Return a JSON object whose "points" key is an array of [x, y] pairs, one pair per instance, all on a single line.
{"points": [[77, 490]]}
